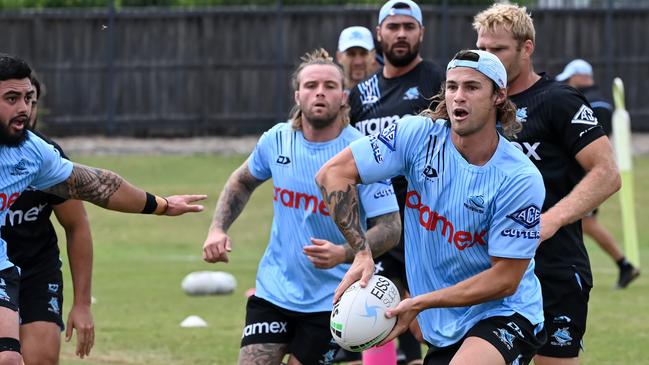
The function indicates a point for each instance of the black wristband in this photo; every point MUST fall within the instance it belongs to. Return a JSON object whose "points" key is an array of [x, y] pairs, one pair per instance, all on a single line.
{"points": [[151, 204]]}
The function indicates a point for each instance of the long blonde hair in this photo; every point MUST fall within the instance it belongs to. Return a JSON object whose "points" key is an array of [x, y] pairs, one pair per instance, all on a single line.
{"points": [[316, 57]]}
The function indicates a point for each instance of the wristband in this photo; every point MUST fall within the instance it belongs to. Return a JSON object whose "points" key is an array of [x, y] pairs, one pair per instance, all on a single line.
{"points": [[151, 204]]}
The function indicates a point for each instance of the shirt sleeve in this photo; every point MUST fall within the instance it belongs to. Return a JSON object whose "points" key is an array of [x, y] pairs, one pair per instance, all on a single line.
{"points": [[258, 162], [516, 223], [53, 169], [574, 120], [381, 157], [378, 198]]}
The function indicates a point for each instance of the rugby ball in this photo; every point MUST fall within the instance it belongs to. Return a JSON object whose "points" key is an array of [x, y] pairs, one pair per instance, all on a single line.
{"points": [[358, 319], [208, 283]]}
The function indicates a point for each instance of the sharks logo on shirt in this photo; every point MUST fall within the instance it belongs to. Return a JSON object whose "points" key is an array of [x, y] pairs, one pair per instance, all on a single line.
{"points": [[411, 94]]}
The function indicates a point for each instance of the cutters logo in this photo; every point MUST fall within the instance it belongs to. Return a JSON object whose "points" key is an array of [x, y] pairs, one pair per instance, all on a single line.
{"points": [[297, 200], [429, 219], [7, 201], [527, 217]]}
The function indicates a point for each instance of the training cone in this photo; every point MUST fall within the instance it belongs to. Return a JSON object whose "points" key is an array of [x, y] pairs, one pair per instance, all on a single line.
{"points": [[193, 321]]}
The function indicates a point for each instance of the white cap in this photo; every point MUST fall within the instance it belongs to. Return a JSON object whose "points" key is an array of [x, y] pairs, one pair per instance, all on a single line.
{"points": [[575, 67], [482, 61], [400, 7], [355, 37]]}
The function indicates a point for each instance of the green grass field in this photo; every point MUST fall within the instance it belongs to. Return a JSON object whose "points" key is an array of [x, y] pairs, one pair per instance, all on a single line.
{"points": [[141, 260]]}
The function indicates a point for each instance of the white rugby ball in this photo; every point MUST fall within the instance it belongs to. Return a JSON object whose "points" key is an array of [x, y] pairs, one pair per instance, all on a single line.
{"points": [[358, 319], [208, 282]]}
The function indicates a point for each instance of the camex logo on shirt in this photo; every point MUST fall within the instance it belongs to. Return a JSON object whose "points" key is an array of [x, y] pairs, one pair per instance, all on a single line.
{"points": [[298, 200], [429, 220]]}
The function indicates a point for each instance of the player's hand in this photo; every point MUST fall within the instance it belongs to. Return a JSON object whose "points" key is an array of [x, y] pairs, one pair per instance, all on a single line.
{"points": [[80, 318], [324, 254], [180, 204], [406, 313], [362, 269], [216, 246], [549, 227]]}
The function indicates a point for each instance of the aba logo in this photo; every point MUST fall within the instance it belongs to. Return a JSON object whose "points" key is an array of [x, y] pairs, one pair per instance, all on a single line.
{"points": [[19, 169], [528, 217], [521, 114], [475, 203], [584, 115], [411, 94], [283, 160], [388, 137]]}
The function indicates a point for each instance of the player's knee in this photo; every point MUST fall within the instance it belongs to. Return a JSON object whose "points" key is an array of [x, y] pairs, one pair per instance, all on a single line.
{"points": [[10, 351]]}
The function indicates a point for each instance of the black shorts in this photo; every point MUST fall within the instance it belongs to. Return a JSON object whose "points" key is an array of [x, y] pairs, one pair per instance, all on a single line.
{"points": [[393, 269], [307, 334], [41, 298], [513, 336], [9, 285], [565, 304]]}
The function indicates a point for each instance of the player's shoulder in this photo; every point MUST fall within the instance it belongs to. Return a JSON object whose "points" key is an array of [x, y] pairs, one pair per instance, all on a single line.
{"points": [[350, 133], [557, 93], [50, 141]]}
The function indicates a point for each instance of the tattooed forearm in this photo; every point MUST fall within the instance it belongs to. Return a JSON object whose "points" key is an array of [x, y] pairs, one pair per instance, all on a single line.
{"points": [[262, 354], [384, 234], [344, 209], [88, 183], [234, 197]]}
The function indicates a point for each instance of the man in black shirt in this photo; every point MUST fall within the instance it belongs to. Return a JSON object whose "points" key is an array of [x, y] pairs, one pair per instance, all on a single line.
{"points": [[32, 245], [561, 136], [579, 74]]}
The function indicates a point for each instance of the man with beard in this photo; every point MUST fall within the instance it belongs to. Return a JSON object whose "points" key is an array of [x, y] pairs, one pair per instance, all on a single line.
{"points": [[356, 55], [294, 290], [26, 161], [32, 245], [562, 137], [403, 87]]}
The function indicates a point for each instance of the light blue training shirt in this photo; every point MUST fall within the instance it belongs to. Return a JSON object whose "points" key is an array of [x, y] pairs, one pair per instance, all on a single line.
{"points": [[34, 164], [458, 216], [285, 276]]}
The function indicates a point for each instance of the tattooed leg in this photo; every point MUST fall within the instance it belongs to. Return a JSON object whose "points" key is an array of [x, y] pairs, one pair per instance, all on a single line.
{"points": [[262, 354]]}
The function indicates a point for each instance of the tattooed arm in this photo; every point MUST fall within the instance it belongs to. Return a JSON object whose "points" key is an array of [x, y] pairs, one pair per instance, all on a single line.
{"points": [[109, 190], [337, 180], [383, 236], [233, 198]]}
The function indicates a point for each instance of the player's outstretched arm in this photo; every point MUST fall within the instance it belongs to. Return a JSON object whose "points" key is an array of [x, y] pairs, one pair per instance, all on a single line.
{"points": [[233, 198], [602, 179], [337, 181], [109, 190], [74, 220], [383, 236]]}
